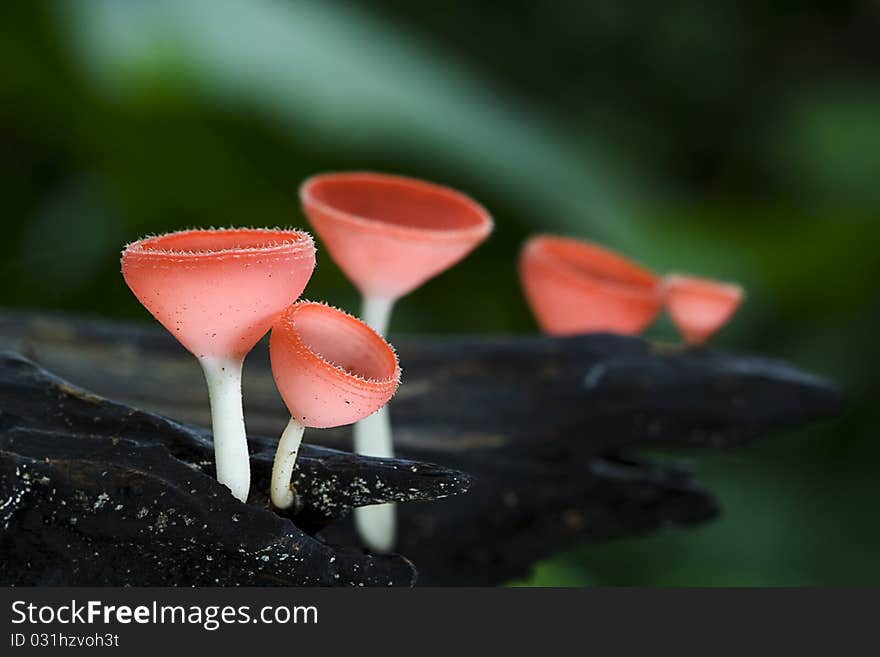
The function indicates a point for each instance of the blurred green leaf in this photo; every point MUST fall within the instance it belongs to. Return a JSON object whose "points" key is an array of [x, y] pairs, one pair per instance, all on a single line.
{"points": [[339, 79]]}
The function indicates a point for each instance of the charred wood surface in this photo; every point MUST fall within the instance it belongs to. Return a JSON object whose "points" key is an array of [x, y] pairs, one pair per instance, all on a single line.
{"points": [[548, 429], [94, 492]]}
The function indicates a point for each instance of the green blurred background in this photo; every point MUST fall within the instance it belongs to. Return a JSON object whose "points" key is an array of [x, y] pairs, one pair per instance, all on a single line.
{"points": [[738, 140]]}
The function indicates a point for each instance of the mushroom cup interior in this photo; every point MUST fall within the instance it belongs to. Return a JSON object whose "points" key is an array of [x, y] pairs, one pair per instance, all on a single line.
{"points": [[398, 201], [708, 288], [344, 342], [590, 261]]}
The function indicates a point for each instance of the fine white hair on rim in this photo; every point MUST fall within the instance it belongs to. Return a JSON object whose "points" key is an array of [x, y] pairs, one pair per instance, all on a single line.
{"points": [[304, 238], [397, 369]]}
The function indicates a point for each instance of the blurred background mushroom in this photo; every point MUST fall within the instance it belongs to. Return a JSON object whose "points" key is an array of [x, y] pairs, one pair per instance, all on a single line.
{"points": [[699, 307], [735, 139], [575, 287]]}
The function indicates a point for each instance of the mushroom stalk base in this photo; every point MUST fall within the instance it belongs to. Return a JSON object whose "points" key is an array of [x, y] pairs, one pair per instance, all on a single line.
{"points": [[223, 376], [376, 524], [282, 469]]}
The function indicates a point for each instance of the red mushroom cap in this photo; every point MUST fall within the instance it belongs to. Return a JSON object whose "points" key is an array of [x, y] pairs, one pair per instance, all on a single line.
{"points": [[390, 234], [330, 368], [699, 306], [576, 287], [219, 291]]}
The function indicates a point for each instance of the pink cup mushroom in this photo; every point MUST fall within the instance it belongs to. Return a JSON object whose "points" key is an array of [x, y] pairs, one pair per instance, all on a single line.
{"points": [[698, 306], [218, 292], [331, 370], [576, 287], [389, 234]]}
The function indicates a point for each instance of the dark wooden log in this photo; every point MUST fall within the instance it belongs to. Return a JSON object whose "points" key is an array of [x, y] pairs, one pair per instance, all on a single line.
{"points": [[93, 492], [547, 427]]}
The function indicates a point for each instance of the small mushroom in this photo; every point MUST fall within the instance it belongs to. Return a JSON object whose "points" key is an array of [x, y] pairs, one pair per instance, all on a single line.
{"points": [[331, 370], [698, 306], [575, 287], [389, 234], [218, 292]]}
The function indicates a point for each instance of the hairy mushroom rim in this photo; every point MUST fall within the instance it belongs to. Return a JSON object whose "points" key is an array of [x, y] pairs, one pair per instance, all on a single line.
{"points": [[220, 242], [338, 340]]}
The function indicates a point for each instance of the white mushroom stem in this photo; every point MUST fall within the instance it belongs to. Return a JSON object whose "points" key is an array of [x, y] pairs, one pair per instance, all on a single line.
{"points": [[223, 376], [376, 524], [376, 312], [282, 469]]}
